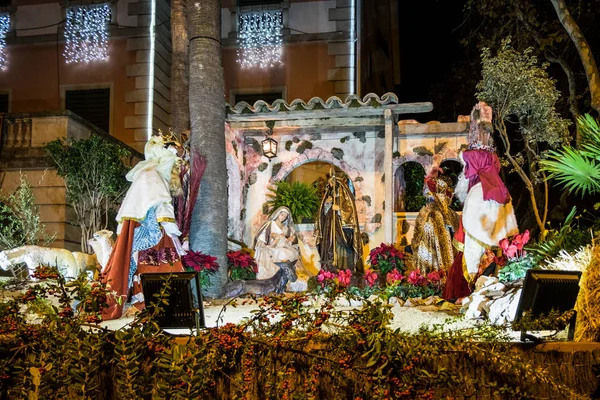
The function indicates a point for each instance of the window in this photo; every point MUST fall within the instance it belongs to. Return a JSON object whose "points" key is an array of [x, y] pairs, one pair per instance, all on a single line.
{"points": [[243, 3], [92, 105], [4, 102], [252, 98]]}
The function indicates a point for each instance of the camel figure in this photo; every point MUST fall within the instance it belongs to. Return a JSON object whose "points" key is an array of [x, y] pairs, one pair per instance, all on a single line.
{"points": [[69, 263]]}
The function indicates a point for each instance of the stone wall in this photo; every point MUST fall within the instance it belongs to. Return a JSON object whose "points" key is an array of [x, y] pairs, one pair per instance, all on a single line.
{"points": [[358, 152]]}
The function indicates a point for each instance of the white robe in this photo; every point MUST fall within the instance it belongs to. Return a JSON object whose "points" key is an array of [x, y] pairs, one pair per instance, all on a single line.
{"points": [[279, 249]]}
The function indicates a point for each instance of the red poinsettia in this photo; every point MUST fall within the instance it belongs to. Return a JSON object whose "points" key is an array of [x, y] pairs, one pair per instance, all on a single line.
{"points": [[241, 259], [200, 262], [386, 258]]}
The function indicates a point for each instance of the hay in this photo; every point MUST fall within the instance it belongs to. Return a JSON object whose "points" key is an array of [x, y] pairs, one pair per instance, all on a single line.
{"points": [[587, 328]]}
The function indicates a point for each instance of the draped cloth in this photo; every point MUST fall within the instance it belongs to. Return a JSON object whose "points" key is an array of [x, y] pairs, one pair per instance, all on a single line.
{"points": [[483, 167], [457, 285], [276, 241], [488, 214], [146, 223], [337, 230]]}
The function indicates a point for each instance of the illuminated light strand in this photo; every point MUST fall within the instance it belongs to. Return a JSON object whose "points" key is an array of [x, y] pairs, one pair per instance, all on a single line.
{"points": [[261, 44], [4, 28], [86, 33]]}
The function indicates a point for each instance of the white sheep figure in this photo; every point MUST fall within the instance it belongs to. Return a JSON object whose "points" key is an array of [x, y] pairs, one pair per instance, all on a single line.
{"points": [[70, 263]]}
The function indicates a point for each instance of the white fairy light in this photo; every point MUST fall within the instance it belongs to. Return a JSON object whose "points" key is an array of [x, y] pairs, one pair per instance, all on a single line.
{"points": [[4, 28], [86, 33], [260, 39]]}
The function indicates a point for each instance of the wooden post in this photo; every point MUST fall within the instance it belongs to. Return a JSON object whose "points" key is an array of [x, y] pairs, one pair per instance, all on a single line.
{"points": [[388, 220]]}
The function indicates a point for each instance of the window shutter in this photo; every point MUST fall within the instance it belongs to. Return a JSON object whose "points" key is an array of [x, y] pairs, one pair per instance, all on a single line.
{"points": [[3, 102], [92, 105]]}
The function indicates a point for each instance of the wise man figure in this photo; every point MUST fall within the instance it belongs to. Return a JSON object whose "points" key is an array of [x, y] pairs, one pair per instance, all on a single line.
{"points": [[336, 228]]}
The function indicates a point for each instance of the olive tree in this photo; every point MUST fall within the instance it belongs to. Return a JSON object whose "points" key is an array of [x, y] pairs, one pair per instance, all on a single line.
{"points": [[94, 175], [521, 93]]}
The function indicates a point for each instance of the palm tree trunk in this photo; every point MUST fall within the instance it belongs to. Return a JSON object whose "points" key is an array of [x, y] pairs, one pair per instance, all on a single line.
{"points": [[583, 48], [180, 104], [207, 117]]}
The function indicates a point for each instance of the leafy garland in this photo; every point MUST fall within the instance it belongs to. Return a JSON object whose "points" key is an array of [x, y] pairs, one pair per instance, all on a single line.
{"points": [[285, 350]]}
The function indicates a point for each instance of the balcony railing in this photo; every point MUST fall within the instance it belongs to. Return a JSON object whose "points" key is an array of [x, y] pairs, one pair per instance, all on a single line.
{"points": [[23, 135]]}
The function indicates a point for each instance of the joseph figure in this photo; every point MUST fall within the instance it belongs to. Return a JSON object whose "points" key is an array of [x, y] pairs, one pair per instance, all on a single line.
{"points": [[337, 230]]}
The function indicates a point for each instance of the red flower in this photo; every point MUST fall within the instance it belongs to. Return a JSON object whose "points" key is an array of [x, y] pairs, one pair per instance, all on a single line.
{"points": [[504, 243], [344, 277], [415, 278], [394, 276], [200, 262], [434, 277], [371, 277]]}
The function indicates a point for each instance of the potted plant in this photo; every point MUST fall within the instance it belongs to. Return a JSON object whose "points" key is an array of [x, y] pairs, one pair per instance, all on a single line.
{"points": [[300, 198]]}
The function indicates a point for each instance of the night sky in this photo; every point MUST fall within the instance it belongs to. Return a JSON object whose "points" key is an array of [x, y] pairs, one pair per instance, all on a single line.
{"points": [[429, 49]]}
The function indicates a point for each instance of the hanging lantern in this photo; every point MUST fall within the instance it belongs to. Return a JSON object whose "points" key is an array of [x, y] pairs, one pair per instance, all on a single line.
{"points": [[269, 145]]}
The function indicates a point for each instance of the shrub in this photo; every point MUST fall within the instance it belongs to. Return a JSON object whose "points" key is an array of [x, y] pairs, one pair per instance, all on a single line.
{"points": [[94, 176], [20, 222]]}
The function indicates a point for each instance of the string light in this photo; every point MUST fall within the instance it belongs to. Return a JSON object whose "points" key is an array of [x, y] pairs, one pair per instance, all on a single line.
{"points": [[260, 39], [86, 33], [4, 28]]}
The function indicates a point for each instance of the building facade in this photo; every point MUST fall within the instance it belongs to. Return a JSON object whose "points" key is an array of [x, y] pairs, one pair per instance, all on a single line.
{"points": [[128, 94]]}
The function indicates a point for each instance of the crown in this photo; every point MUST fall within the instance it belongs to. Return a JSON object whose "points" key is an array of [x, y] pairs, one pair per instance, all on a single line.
{"points": [[169, 138]]}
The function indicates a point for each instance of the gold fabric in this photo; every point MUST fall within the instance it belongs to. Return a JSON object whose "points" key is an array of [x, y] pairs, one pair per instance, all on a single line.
{"points": [[432, 241]]}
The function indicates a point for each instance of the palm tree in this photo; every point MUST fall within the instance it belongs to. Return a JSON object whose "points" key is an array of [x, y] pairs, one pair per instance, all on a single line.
{"points": [[207, 117], [578, 169], [180, 107]]}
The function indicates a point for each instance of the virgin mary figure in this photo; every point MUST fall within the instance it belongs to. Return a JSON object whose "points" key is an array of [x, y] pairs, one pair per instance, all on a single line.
{"points": [[337, 230], [275, 241]]}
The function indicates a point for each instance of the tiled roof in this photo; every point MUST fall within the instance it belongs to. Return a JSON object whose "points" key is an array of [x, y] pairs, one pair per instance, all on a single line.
{"points": [[316, 103]]}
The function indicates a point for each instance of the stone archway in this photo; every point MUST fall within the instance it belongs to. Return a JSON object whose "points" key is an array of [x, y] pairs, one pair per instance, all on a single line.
{"points": [[363, 206]]}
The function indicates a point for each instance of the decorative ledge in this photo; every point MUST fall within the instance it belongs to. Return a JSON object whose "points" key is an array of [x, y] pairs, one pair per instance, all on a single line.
{"points": [[316, 103], [353, 106]]}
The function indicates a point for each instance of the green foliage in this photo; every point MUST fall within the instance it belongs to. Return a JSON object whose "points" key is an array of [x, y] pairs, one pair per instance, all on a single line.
{"points": [[517, 269], [414, 176], [288, 145], [299, 197], [515, 85], [94, 176], [297, 347], [566, 237], [422, 151], [20, 222], [519, 90], [578, 170]]}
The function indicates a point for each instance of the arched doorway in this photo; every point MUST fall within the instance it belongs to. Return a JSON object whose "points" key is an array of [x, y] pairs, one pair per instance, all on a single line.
{"points": [[453, 168], [315, 174], [408, 187]]}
